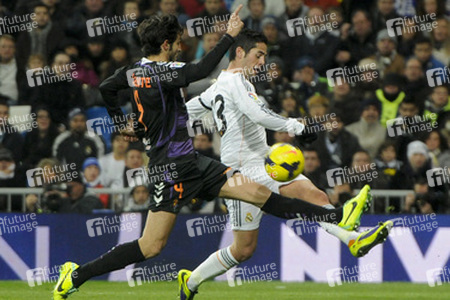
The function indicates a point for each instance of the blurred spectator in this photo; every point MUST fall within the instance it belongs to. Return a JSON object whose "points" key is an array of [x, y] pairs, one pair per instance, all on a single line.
{"points": [[312, 169], [172, 7], [76, 144], [96, 52], [45, 39], [272, 7], [306, 82], [12, 75], [119, 58], [76, 24], [113, 164], [133, 159], [294, 9], [38, 142], [423, 51], [368, 81], [426, 200], [409, 37], [56, 10], [441, 41], [336, 20], [289, 107], [91, 177], [368, 129], [427, 7], [203, 144], [48, 178], [80, 200], [416, 166], [84, 67], [410, 130], [28, 93], [416, 83], [10, 138], [437, 145], [139, 199], [59, 96], [318, 107], [363, 172], [386, 161], [360, 42], [274, 88], [256, 8], [11, 175], [345, 101], [337, 146], [209, 42], [270, 30], [385, 11], [390, 96], [387, 58], [438, 103], [214, 10], [316, 44], [131, 38]]}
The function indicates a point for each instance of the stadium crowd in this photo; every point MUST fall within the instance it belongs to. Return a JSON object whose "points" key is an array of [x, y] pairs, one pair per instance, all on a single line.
{"points": [[387, 81]]}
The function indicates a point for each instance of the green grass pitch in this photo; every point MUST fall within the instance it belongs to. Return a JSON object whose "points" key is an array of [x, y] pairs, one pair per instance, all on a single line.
{"points": [[95, 290]]}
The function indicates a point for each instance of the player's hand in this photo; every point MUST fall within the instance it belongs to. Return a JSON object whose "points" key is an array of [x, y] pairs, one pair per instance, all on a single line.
{"points": [[307, 136], [129, 135], [235, 23]]}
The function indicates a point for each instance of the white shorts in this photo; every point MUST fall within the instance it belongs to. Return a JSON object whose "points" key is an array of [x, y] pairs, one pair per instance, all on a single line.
{"points": [[245, 216]]}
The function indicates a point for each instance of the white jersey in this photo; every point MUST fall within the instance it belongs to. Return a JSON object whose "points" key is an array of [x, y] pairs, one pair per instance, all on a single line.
{"points": [[241, 118]]}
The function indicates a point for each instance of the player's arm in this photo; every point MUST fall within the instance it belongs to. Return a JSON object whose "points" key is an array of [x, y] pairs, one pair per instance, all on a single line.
{"points": [[197, 108], [195, 71], [109, 89], [250, 105]]}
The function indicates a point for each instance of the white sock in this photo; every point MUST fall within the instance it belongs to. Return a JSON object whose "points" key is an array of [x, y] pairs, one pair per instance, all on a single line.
{"points": [[216, 264], [342, 234]]}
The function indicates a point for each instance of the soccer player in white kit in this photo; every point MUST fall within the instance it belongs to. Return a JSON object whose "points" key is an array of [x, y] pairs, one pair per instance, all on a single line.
{"points": [[241, 119]]}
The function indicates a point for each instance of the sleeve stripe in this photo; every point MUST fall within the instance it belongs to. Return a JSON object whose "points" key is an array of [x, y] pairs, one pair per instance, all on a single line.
{"points": [[203, 104]]}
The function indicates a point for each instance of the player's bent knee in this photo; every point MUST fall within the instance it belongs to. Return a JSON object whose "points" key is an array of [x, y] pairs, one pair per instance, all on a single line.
{"points": [[260, 194], [322, 197], [151, 249], [243, 253]]}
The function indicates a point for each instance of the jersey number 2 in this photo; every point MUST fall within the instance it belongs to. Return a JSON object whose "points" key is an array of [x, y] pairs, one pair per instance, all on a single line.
{"points": [[219, 113]]}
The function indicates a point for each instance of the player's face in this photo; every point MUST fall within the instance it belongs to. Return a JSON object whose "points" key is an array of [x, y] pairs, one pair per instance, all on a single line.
{"points": [[254, 59], [175, 49]]}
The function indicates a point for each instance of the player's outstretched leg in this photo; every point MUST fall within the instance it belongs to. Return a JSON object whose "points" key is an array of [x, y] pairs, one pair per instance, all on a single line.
{"points": [[154, 238], [244, 245], [305, 189], [347, 217]]}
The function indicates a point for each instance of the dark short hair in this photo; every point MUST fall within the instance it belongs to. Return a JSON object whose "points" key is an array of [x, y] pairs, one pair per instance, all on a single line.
{"points": [[364, 12], [423, 40], [155, 30], [262, 1], [139, 146], [247, 40], [40, 4]]}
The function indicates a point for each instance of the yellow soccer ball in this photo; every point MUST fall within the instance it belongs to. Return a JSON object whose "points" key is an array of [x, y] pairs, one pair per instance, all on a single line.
{"points": [[284, 162]]}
